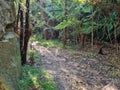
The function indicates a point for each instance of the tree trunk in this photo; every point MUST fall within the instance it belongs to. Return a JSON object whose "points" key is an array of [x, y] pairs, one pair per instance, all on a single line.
{"points": [[26, 37], [92, 34], [65, 29], [21, 34]]}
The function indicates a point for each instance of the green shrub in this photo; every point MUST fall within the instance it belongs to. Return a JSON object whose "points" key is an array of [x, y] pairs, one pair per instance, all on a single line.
{"points": [[46, 43], [33, 78]]}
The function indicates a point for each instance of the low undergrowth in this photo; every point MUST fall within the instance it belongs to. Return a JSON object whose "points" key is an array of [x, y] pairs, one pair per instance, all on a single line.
{"points": [[51, 43], [46, 43], [34, 78]]}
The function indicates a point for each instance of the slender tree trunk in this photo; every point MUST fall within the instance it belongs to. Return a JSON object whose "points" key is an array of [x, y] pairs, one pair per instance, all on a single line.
{"points": [[65, 29], [92, 34], [115, 37], [21, 34], [26, 37]]}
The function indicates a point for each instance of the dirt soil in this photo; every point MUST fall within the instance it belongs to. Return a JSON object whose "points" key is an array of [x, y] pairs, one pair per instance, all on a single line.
{"points": [[77, 70]]}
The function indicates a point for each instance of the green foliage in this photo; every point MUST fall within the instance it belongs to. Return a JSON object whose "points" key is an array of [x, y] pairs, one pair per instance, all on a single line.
{"points": [[81, 15], [87, 27], [51, 43], [114, 73], [87, 8], [34, 54], [37, 37], [34, 78], [46, 43], [63, 24], [90, 54]]}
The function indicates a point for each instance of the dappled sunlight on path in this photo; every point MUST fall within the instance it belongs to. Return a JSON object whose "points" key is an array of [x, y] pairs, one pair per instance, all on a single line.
{"points": [[74, 71]]}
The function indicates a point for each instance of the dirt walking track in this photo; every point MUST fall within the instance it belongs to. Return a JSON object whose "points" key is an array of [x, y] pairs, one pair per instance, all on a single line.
{"points": [[74, 71]]}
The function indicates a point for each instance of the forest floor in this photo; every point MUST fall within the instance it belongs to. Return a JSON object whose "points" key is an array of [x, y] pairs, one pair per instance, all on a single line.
{"points": [[79, 70]]}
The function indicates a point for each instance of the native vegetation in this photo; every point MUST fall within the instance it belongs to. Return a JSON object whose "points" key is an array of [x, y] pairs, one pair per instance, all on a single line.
{"points": [[88, 25]]}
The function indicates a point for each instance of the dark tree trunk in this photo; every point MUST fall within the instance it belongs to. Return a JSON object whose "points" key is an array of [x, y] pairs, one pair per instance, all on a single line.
{"points": [[26, 37], [21, 34], [82, 40]]}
